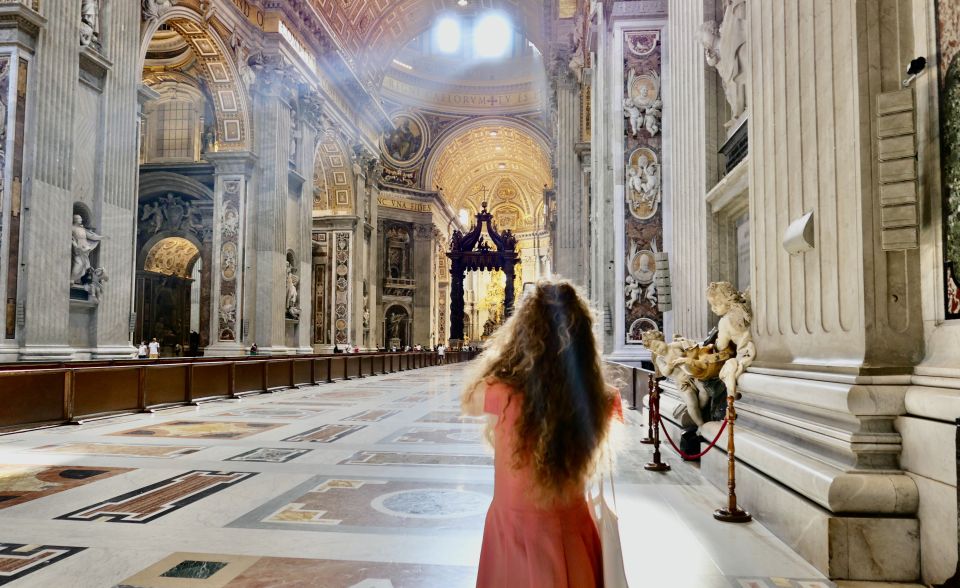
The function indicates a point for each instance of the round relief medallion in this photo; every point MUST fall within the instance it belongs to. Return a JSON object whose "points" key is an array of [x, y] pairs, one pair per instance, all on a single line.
{"points": [[405, 145], [643, 266], [432, 503], [341, 324]]}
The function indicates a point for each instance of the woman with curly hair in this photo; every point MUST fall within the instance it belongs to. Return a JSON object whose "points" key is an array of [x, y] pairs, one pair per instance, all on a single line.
{"points": [[540, 380]]}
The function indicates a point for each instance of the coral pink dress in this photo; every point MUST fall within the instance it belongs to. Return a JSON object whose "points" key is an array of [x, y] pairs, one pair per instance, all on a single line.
{"points": [[525, 545]]}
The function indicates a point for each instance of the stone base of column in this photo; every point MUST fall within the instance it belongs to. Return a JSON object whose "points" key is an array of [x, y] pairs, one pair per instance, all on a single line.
{"points": [[9, 352], [277, 350], [865, 548], [225, 350], [317, 348], [303, 350], [108, 352], [47, 353]]}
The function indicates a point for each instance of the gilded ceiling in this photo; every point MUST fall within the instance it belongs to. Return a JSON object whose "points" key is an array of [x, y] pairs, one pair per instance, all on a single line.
{"points": [[172, 256], [501, 163], [373, 31]]}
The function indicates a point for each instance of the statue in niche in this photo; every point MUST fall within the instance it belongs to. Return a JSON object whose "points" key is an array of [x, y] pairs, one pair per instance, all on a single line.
{"points": [[725, 50], [89, 22], [293, 311], [84, 241], [395, 319], [155, 9]]}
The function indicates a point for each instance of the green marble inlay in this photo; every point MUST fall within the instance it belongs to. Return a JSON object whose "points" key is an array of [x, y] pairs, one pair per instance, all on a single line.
{"points": [[200, 570]]}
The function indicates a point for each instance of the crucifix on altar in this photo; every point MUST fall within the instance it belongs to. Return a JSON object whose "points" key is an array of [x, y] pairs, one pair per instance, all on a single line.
{"points": [[471, 252]]}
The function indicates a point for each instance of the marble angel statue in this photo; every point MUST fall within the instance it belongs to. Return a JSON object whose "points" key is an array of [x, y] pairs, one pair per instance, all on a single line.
{"points": [[632, 111], [668, 358], [724, 359], [733, 331]]}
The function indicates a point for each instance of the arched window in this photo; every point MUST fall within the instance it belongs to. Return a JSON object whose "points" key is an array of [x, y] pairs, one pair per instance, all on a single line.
{"points": [[175, 122]]}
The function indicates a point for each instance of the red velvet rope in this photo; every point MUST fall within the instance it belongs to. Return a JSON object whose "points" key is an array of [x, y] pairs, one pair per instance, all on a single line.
{"points": [[677, 449]]}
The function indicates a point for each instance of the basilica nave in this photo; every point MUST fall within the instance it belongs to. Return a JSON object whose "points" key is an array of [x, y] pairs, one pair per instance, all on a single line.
{"points": [[253, 230]]}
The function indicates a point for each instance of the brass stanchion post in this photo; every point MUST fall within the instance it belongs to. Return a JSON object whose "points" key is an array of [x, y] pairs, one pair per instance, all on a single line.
{"points": [[656, 465], [648, 440], [732, 513]]}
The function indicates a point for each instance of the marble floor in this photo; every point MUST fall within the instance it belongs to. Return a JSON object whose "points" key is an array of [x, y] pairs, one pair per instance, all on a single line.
{"points": [[369, 483]]}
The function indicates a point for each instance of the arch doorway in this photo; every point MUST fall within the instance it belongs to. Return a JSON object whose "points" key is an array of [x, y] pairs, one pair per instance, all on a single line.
{"points": [[168, 295]]}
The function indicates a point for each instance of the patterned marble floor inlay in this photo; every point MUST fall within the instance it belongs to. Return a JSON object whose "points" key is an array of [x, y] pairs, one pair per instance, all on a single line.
{"points": [[18, 560], [381, 458], [156, 500], [272, 413], [335, 504], [448, 416], [429, 435], [379, 469], [371, 416], [326, 433], [116, 450], [201, 430], [203, 570], [23, 483], [269, 455]]}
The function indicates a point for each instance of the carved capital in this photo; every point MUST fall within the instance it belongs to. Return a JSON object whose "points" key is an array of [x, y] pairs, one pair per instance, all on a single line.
{"points": [[423, 232], [311, 107], [275, 77]]}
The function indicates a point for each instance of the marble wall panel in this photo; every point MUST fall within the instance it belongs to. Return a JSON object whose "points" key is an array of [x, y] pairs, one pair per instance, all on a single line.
{"points": [[643, 173], [948, 38]]}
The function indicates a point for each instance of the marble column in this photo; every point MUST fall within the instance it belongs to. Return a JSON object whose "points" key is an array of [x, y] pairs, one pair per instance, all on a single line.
{"points": [[311, 118], [276, 94], [423, 266], [570, 248], [47, 196], [837, 327], [230, 226], [118, 216], [685, 226]]}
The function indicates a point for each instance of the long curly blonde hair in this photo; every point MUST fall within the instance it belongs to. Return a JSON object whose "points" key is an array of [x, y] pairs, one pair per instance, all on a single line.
{"points": [[548, 354]]}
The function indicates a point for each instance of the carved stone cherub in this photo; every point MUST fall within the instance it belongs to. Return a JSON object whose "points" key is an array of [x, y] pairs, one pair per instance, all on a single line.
{"points": [[632, 111], [733, 331]]}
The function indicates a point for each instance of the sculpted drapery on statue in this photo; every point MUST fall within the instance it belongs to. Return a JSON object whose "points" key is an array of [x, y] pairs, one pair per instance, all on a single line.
{"points": [[707, 373], [293, 296], [89, 22], [725, 49], [83, 242]]}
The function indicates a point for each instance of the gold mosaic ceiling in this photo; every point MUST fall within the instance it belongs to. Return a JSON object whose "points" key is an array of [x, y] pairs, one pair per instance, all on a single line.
{"points": [[172, 256], [373, 31], [484, 157]]}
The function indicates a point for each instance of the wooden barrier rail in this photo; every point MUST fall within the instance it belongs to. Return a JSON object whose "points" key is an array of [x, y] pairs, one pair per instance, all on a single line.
{"points": [[49, 394]]}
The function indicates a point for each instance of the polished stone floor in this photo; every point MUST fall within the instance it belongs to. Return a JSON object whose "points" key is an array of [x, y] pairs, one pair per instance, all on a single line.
{"points": [[369, 483]]}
